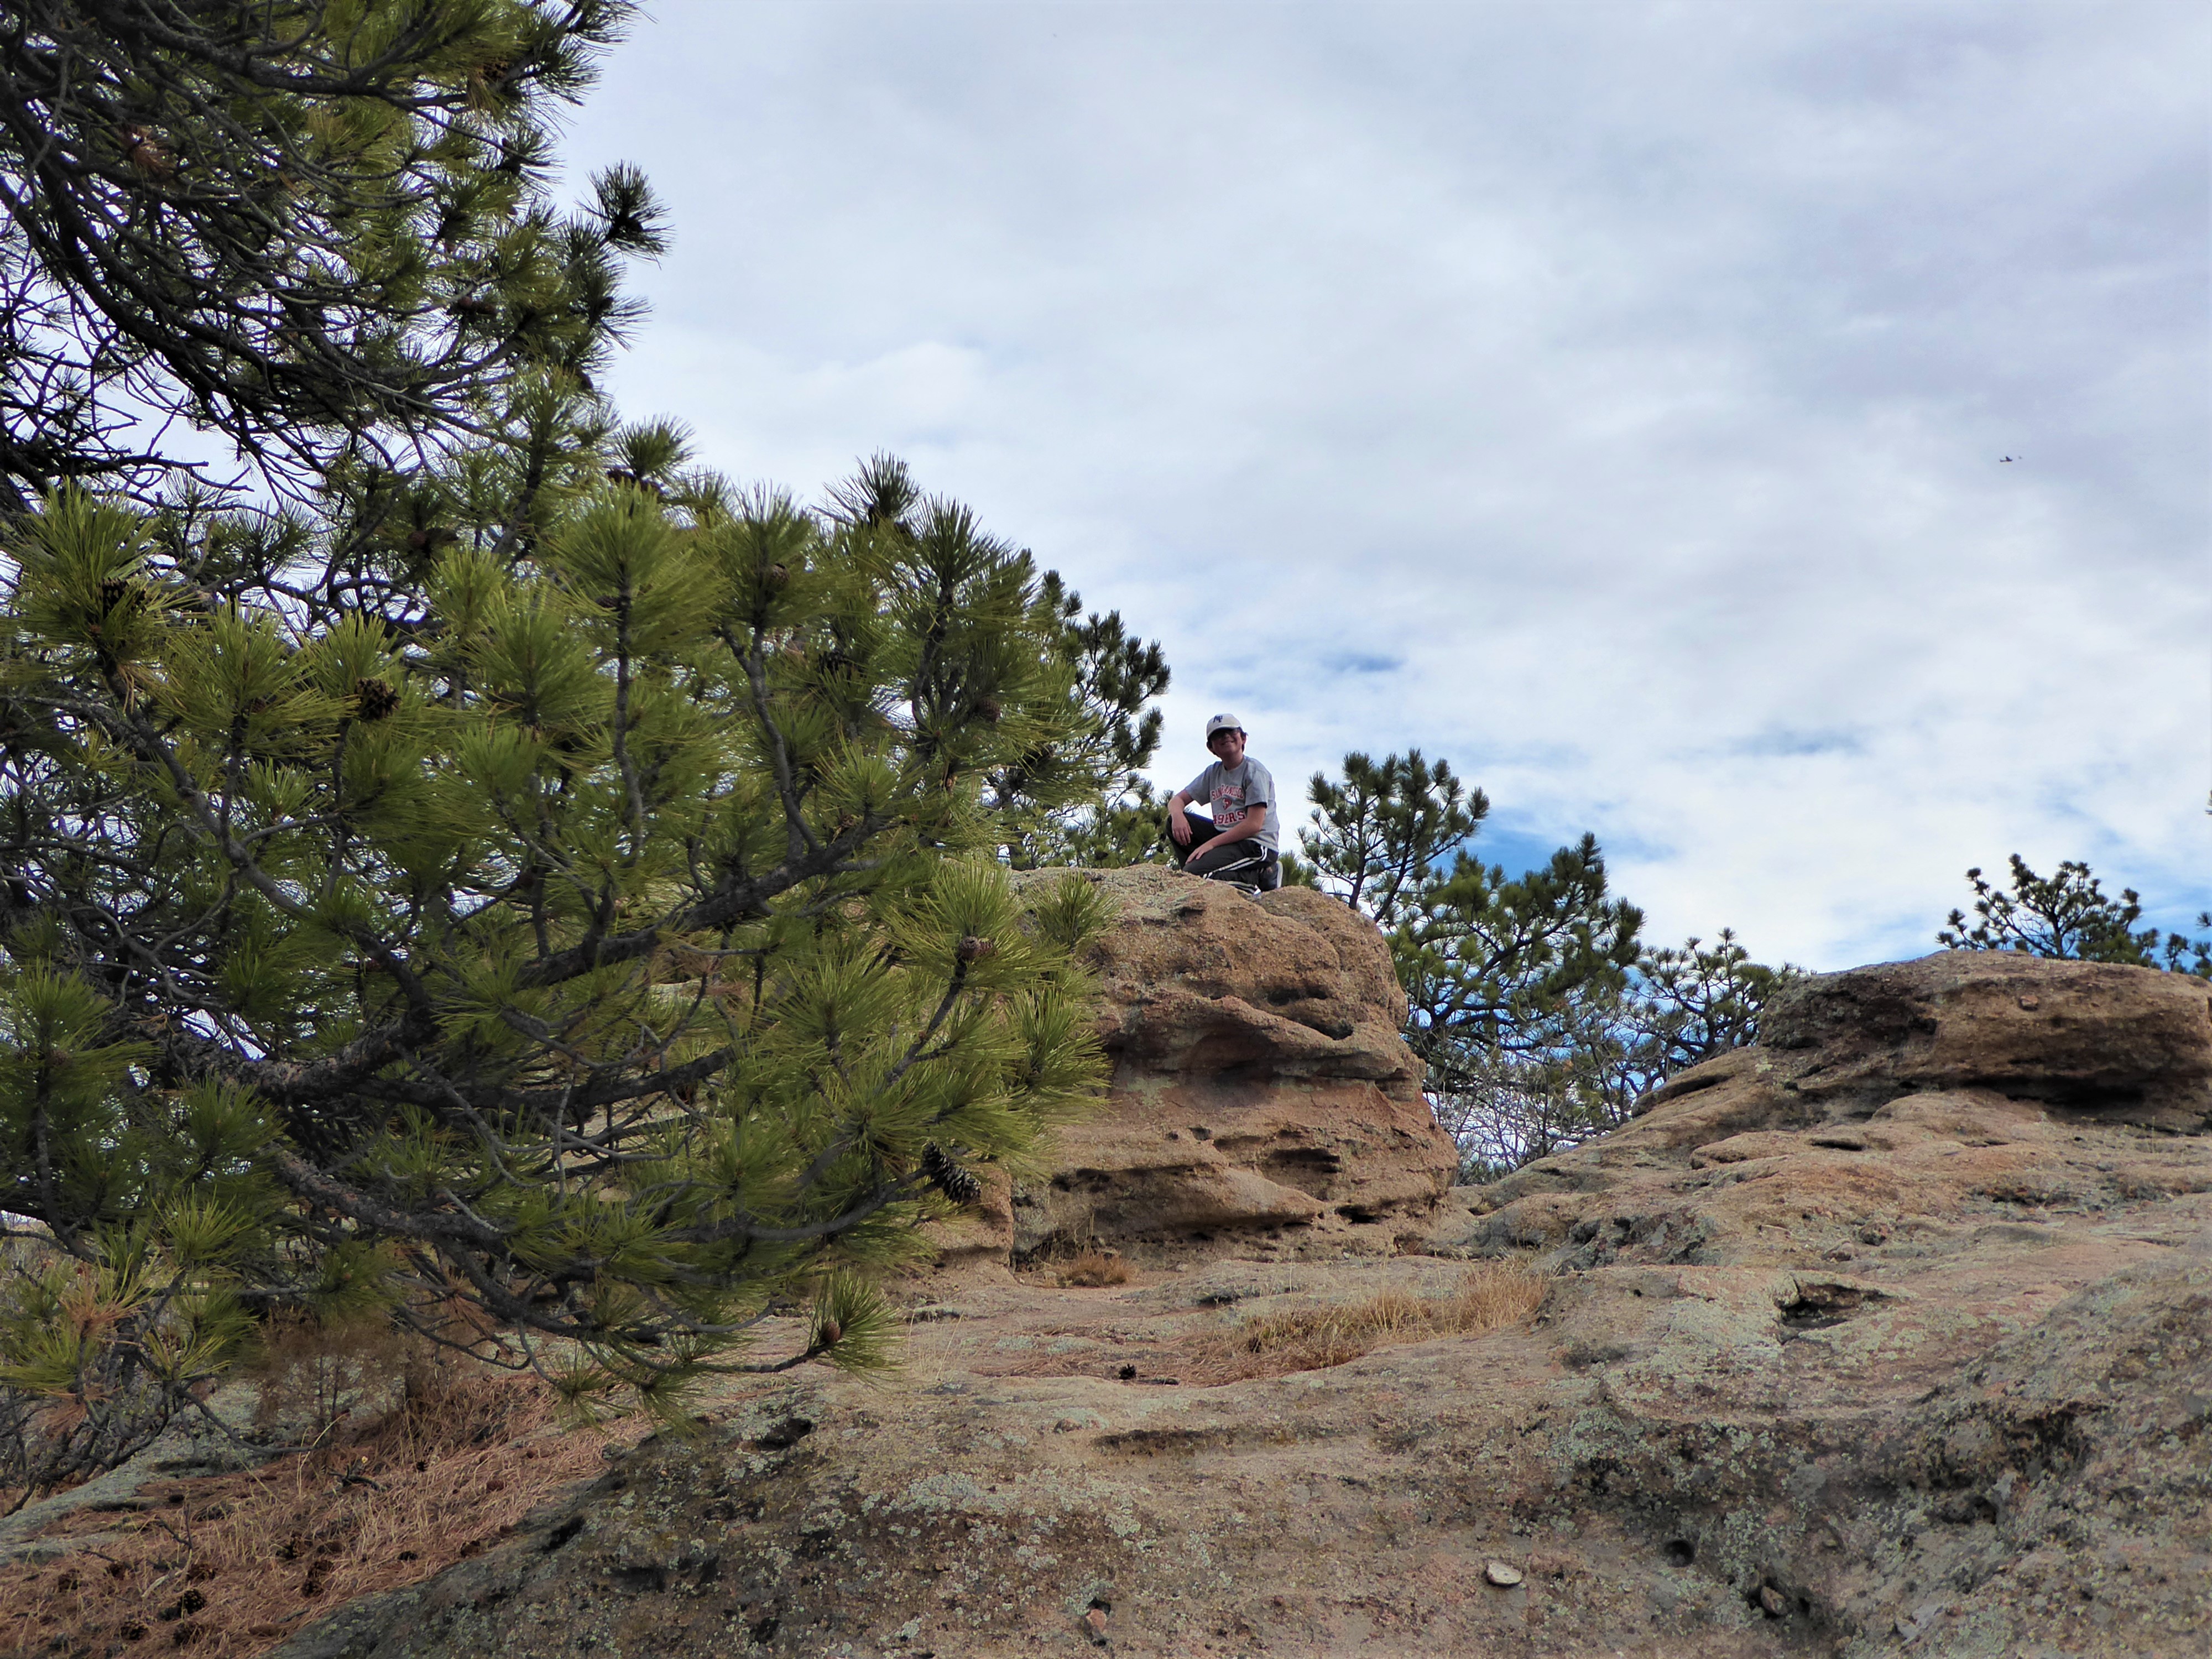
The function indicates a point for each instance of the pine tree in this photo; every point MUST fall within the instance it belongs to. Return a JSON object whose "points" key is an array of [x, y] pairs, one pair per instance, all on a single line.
{"points": [[1379, 835], [1538, 1011], [491, 872], [317, 232], [2070, 915], [579, 966], [1514, 987], [1079, 800]]}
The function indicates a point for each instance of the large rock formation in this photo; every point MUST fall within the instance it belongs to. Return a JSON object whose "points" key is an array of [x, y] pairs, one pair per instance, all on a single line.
{"points": [[1961, 1070], [2085, 1039], [1894, 1340], [1262, 1097]]}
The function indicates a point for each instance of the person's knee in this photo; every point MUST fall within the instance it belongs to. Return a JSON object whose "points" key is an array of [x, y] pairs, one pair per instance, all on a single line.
{"points": [[1201, 834], [1207, 860]]}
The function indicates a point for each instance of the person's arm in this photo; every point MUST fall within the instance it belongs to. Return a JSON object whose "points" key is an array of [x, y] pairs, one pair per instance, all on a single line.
{"points": [[1254, 821], [1178, 825]]}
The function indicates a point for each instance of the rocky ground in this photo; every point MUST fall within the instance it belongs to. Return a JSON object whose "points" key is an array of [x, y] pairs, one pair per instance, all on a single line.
{"points": [[1892, 1336], [1983, 1433]]}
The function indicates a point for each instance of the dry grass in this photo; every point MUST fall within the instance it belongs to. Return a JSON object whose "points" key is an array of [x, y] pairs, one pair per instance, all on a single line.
{"points": [[308, 1378], [1492, 1295], [1094, 1269], [231, 1566]]}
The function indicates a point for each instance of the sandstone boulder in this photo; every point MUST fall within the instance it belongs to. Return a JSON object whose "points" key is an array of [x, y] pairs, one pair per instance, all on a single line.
{"points": [[1897, 1085], [1260, 1086], [2129, 1044]]}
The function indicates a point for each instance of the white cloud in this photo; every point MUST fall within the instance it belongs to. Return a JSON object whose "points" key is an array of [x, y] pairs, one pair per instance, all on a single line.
{"points": [[1608, 398]]}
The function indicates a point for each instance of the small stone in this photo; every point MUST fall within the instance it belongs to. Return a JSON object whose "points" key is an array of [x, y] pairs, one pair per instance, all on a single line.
{"points": [[1503, 1575]]}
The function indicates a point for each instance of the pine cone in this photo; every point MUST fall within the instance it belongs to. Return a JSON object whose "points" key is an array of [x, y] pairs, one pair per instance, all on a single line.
{"points": [[149, 154], [976, 949], [948, 1178], [375, 698]]}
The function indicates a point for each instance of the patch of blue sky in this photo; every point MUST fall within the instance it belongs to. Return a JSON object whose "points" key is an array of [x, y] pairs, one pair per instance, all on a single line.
{"points": [[2174, 892], [2178, 923], [1362, 663], [1515, 849], [1786, 743]]}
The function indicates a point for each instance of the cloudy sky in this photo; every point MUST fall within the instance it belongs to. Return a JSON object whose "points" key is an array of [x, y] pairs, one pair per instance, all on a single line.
{"points": [[1606, 397]]}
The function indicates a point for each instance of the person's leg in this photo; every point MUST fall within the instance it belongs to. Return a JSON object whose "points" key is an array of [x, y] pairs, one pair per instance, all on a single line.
{"points": [[1201, 831], [1218, 855]]}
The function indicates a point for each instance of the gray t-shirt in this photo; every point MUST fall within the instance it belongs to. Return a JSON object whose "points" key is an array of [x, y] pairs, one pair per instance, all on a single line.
{"points": [[1230, 792]]}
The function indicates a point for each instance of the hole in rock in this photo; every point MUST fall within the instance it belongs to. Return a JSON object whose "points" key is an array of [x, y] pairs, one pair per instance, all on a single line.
{"points": [[1311, 1169], [785, 1435], [1681, 1551], [1816, 1305]]}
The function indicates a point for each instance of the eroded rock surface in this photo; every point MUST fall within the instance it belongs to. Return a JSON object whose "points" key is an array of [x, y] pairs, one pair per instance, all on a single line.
{"points": [[1261, 1092], [2120, 1044], [1898, 1342]]}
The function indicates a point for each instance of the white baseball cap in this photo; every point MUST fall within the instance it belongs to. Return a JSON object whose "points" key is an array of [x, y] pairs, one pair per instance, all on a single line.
{"points": [[1223, 723]]}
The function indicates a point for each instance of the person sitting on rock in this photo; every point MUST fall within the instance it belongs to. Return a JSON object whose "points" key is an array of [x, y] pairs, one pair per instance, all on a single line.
{"points": [[1241, 795]]}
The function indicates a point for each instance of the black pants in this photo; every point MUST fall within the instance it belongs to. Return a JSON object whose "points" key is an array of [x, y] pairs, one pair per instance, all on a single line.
{"points": [[1201, 858]]}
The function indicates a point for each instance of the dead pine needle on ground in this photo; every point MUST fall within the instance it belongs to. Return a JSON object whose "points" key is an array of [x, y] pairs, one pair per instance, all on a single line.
{"points": [[230, 1565], [1491, 1297], [1094, 1270]]}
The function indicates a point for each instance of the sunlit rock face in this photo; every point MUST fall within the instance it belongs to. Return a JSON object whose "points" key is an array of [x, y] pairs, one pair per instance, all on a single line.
{"points": [[2121, 1044], [1261, 1092]]}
